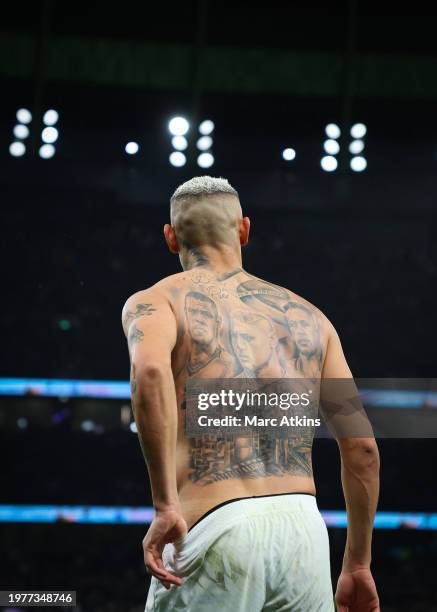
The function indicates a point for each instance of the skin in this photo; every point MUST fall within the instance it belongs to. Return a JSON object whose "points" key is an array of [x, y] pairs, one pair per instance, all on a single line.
{"points": [[238, 323], [304, 332], [301, 329], [202, 321], [253, 344], [256, 346]]}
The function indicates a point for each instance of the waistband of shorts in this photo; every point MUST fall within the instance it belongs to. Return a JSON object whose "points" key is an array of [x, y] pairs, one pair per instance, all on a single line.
{"points": [[255, 503]]}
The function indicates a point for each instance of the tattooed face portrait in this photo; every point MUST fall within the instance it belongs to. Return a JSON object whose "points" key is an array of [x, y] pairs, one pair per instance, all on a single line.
{"points": [[253, 339], [305, 334], [303, 328], [202, 318]]}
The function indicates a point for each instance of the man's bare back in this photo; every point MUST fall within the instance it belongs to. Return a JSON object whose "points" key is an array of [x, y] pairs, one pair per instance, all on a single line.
{"points": [[236, 325], [217, 321]]}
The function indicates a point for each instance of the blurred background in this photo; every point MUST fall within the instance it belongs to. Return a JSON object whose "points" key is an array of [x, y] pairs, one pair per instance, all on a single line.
{"points": [[324, 119]]}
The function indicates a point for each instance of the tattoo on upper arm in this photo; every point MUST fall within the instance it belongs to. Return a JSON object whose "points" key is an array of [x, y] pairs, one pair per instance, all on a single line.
{"points": [[135, 335], [142, 310]]}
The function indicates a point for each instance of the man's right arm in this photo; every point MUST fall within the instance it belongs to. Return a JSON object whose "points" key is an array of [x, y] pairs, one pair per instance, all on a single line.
{"points": [[356, 591]]}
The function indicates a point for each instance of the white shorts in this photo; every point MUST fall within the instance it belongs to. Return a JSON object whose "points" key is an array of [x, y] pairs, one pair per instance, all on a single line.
{"points": [[268, 553]]}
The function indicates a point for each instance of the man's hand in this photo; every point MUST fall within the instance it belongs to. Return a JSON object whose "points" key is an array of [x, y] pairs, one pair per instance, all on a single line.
{"points": [[167, 526], [356, 591]]}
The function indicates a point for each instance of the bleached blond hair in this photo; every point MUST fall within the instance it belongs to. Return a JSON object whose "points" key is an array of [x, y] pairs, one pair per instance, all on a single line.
{"points": [[205, 210], [203, 186]]}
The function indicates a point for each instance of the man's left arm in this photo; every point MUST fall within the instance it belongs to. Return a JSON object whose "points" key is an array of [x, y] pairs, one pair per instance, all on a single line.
{"points": [[150, 327]]}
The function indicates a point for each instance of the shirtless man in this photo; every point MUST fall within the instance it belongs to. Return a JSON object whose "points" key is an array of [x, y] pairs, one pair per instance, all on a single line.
{"points": [[237, 526]]}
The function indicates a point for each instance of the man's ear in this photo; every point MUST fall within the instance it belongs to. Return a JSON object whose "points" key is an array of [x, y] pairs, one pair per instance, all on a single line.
{"points": [[170, 238], [244, 230]]}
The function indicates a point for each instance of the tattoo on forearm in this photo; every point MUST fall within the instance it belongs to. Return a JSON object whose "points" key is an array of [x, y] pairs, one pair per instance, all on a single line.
{"points": [[135, 335], [142, 310], [133, 381]]}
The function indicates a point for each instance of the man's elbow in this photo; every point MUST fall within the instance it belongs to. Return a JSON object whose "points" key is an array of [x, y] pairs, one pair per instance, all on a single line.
{"points": [[148, 381], [152, 371], [360, 454]]}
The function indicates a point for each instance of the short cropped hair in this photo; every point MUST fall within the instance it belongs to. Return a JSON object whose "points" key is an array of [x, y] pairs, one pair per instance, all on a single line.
{"points": [[203, 186], [205, 210]]}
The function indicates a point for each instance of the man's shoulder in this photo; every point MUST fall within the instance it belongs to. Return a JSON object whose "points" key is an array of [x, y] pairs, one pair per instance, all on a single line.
{"points": [[303, 302], [146, 301], [281, 296], [159, 288], [325, 325]]}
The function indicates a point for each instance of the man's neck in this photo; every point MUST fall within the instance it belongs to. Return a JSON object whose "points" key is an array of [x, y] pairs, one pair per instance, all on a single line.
{"points": [[219, 260]]}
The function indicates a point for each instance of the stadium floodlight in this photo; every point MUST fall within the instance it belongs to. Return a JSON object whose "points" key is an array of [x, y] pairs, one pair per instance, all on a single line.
{"points": [[133, 427], [17, 149], [21, 131], [180, 143], [288, 154], [329, 163], [46, 151], [24, 115], [358, 163], [177, 159], [331, 146], [332, 131], [178, 126], [205, 160], [50, 117], [206, 127], [131, 148], [358, 130], [204, 143], [49, 135], [356, 146]]}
